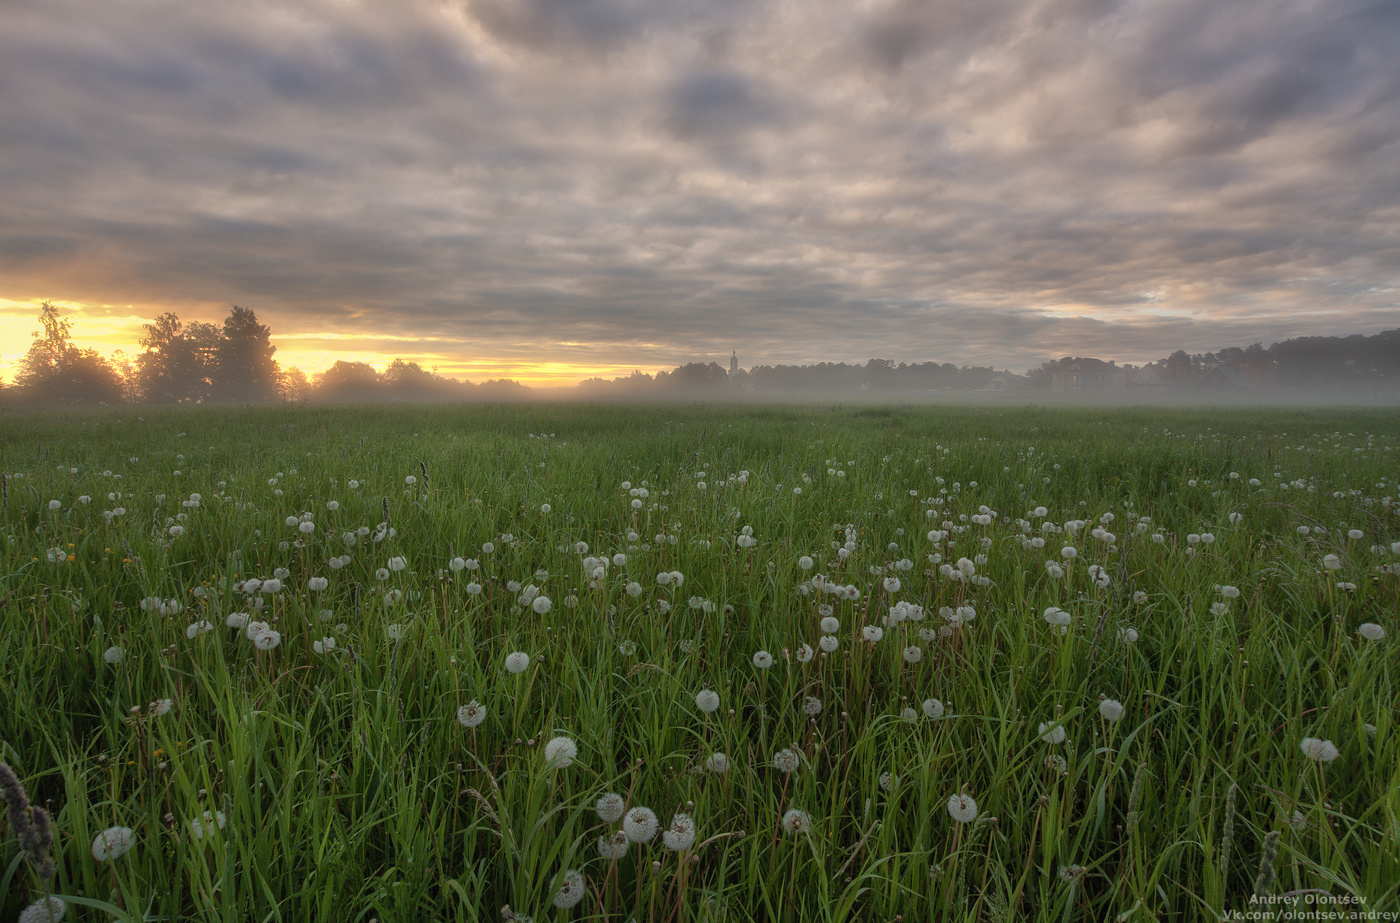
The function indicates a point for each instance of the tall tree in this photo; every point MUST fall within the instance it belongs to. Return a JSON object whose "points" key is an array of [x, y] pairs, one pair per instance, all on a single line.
{"points": [[55, 371], [244, 369], [178, 364]]}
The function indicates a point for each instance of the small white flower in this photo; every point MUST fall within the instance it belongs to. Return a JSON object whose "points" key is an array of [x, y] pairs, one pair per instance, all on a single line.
{"points": [[1322, 751], [680, 835], [571, 889], [612, 846], [560, 752], [804, 562], [541, 605], [707, 700], [796, 823], [962, 808], [610, 807], [640, 825], [933, 708], [812, 706], [1111, 709], [267, 640], [113, 843], [828, 643], [317, 584], [45, 910], [805, 653], [872, 633], [913, 654], [517, 662], [1052, 735], [763, 660]]}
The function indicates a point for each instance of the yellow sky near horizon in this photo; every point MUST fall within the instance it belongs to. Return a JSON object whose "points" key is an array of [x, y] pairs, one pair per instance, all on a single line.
{"points": [[108, 329]]}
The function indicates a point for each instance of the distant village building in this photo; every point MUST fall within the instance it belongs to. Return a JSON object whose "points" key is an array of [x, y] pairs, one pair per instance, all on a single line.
{"points": [[733, 365], [998, 383], [1223, 378], [1089, 375], [1149, 378]]}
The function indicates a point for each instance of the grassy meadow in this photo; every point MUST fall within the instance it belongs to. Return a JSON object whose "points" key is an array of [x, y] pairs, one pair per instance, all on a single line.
{"points": [[913, 663]]}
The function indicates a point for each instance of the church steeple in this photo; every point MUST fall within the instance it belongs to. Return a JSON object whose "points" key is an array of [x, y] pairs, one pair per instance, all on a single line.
{"points": [[733, 364]]}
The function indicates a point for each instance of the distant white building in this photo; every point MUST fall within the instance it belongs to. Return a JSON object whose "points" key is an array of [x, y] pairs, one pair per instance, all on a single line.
{"points": [[733, 365]]}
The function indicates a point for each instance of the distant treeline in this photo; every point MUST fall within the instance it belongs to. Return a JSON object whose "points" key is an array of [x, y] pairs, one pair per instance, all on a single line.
{"points": [[200, 363]]}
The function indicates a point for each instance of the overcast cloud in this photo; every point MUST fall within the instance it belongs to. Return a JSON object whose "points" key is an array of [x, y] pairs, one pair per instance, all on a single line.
{"points": [[648, 182]]}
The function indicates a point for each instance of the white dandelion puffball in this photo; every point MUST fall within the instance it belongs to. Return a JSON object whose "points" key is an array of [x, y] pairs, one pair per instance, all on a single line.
{"points": [[828, 643], [707, 700], [1322, 751], [1332, 562], [909, 716], [324, 646], [962, 808], [1099, 576], [804, 562], [471, 714], [763, 660], [718, 762], [113, 843], [198, 628], [613, 846], [267, 640], [1056, 616], [560, 752], [933, 708], [1111, 709], [45, 910], [640, 825], [805, 653], [830, 625], [317, 584], [796, 823], [1370, 631], [114, 654], [872, 633], [570, 891], [680, 836], [785, 761], [892, 584], [913, 654], [1052, 735], [517, 662], [201, 827], [610, 807], [1068, 552], [812, 706], [1128, 634]]}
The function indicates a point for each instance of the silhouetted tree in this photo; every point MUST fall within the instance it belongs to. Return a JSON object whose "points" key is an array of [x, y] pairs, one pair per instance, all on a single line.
{"points": [[294, 385], [54, 371], [244, 369], [178, 364], [348, 381]]}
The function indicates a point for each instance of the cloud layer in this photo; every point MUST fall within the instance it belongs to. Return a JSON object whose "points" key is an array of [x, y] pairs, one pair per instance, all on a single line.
{"points": [[646, 182]]}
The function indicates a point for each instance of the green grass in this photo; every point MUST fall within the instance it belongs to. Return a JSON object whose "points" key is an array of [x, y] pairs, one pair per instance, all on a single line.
{"points": [[351, 792]]}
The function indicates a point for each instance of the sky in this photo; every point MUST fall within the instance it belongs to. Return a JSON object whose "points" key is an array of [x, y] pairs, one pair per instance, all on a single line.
{"points": [[551, 189]]}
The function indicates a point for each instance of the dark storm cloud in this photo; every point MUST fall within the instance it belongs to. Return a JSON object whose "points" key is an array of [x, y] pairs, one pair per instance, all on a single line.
{"points": [[996, 182]]}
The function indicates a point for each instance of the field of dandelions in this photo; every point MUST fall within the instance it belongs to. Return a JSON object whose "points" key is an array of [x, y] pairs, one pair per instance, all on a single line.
{"points": [[698, 664]]}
